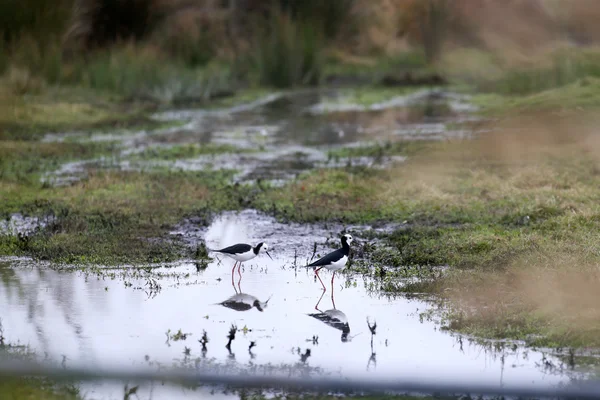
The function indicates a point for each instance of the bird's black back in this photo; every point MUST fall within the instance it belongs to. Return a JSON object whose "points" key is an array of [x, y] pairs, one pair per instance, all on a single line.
{"points": [[236, 249], [333, 256], [333, 322], [236, 305], [330, 258]]}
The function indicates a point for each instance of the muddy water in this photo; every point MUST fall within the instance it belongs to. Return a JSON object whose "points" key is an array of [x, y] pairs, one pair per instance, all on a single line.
{"points": [[131, 317]]}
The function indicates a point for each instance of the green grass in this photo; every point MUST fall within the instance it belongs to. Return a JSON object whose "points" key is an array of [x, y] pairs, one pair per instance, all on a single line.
{"points": [[348, 195], [58, 109], [583, 94], [490, 73], [24, 161], [565, 67], [139, 75], [373, 69], [287, 52], [114, 218]]}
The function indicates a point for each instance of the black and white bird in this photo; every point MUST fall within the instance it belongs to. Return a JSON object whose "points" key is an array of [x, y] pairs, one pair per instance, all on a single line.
{"points": [[336, 319], [242, 252], [333, 261], [244, 302]]}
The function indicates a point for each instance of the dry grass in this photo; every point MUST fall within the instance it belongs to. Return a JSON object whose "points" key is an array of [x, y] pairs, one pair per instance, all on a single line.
{"points": [[533, 155], [533, 265], [553, 292]]}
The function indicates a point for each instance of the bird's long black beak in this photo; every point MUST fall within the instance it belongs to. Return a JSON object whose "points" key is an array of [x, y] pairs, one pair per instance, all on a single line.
{"points": [[269, 255]]}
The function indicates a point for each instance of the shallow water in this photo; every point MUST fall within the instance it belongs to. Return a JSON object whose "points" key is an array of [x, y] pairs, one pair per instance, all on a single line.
{"points": [[106, 317], [18, 224], [286, 134]]}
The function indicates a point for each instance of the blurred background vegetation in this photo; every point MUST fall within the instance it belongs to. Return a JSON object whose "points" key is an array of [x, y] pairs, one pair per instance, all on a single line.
{"points": [[170, 50]]}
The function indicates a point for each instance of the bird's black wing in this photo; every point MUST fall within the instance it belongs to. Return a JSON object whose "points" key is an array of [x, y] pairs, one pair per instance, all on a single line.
{"points": [[328, 259], [236, 249], [333, 322], [237, 305]]}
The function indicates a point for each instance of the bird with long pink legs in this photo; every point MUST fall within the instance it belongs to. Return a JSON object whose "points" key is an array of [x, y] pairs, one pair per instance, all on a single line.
{"points": [[242, 252], [334, 318], [334, 261]]}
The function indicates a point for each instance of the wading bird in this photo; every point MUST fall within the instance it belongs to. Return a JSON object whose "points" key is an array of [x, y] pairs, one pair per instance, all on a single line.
{"points": [[334, 261], [242, 252]]}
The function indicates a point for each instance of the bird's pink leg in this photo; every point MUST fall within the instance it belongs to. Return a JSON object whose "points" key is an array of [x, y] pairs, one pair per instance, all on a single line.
{"points": [[239, 268], [332, 300], [317, 274], [232, 270], [320, 298]]}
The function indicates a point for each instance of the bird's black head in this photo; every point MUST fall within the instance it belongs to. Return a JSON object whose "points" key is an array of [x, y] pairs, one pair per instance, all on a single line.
{"points": [[262, 247], [347, 239], [260, 306], [345, 332]]}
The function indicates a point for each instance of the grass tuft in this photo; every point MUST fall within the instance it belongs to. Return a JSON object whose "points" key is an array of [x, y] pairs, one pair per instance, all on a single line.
{"points": [[288, 52]]}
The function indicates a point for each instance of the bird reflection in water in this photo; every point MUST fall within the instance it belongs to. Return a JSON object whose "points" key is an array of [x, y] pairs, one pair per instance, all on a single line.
{"points": [[373, 357], [243, 301], [334, 318]]}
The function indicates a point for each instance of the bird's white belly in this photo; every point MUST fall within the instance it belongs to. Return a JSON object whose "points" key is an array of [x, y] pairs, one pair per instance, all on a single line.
{"points": [[243, 256], [337, 314], [339, 264]]}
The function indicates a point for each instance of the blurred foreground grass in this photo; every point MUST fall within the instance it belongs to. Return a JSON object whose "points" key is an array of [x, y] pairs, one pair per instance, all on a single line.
{"points": [[30, 387]]}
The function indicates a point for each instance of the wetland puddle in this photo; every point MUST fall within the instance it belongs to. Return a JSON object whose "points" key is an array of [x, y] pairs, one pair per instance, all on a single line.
{"points": [[279, 136], [155, 317]]}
